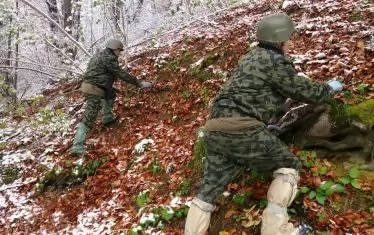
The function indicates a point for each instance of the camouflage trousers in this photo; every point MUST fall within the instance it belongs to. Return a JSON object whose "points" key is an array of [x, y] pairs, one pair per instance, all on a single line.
{"points": [[228, 154], [94, 104]]}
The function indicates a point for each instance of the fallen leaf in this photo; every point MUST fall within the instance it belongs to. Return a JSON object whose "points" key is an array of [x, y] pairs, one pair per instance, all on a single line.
{"points": [[229, 214], [316, 181]]}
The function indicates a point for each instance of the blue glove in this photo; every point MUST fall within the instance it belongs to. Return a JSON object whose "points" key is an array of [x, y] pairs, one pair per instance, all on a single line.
{"points": [[336, 86], [144, 84]]}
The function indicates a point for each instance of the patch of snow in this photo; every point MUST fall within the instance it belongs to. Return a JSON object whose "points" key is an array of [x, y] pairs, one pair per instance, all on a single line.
{"points": [[56, 216], [317, 62], [79, 161], [226, 194], [3, 203], [17, 157], [137, 228], [91, 222], [200, 134], [20, 205], [148, 218], [320, 55], [98, 220], [176, 202], [142, 145], [287, 4], [253, 44], [197, 63], [299, 59], [160, 60], [301, 74]]}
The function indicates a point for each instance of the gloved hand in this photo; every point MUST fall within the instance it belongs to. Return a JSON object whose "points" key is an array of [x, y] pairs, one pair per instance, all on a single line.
{"points": [[144, 84], [273, 128], [336, 86]]}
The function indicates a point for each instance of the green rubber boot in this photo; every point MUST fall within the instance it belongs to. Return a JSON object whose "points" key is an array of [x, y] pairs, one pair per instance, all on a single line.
{"points": [[79, 139], [108, 117]]}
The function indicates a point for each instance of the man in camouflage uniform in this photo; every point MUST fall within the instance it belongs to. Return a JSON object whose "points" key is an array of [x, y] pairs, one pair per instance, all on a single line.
{"points": [[103, 70], [236, 136]]}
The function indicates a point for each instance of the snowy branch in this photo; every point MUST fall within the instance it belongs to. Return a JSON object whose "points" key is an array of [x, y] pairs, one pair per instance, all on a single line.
{"points": [[62, 53], [46, 66], [58, 26], [31, 69]]}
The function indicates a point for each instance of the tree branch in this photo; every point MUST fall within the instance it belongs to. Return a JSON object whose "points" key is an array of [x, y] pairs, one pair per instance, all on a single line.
{"points": [[46, 66], [58, 26], [23, 56], [62, 53], [95, 42], [197, 19], [31, 69]]}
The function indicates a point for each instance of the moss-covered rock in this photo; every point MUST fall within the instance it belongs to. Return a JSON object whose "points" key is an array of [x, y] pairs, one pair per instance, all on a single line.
{"points": [[363, 112], [59, 177]]}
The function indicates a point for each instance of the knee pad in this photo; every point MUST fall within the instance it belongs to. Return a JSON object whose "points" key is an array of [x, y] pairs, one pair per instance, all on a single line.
{"points": [[283, 188], [198, 218]]}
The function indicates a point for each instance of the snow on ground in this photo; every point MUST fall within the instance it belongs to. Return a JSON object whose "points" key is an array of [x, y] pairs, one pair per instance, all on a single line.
{"points": [[98, 220]]}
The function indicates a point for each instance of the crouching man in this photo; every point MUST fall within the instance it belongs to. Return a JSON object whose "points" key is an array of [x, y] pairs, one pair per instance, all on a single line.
{"points": [[103, 70], [236, 136]]}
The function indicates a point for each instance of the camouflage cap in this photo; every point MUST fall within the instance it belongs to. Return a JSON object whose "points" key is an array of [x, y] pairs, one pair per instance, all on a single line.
{"points": [[114, 44], [276, 27]]}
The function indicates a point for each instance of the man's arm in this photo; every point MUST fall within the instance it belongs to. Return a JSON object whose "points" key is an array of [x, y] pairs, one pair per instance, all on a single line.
{"points": [[120, 73], [289, 84]]}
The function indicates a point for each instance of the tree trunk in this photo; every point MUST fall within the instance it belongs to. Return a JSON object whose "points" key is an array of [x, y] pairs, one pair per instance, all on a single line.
{"points": [[68, 25], [135, 16], [124, 14], [76, 25], [58, 26], [53, 12], [66, 12], [8, 78], [115, 16], [15, 80]]}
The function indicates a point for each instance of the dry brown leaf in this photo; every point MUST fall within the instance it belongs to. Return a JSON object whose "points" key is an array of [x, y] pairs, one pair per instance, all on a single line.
{"points": [[360, 45], [229, 214]]}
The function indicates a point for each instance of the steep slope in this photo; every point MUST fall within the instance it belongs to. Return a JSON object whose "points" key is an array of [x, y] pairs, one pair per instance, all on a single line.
{"points": [[187, 68]]}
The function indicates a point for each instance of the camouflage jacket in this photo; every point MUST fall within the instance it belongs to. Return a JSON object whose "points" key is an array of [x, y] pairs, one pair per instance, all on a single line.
{"points": [[103, 70], [260, 85]]}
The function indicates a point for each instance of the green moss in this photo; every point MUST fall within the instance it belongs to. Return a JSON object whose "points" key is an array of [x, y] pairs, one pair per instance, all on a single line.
{"points": [[66, 177], [363, 111], [355, 16], [185, 60], [201, 75], [184, 188], [173, 65], [3, 125], [10, 174], [210, 59], [197, 164], [187, 57], [337, 108]]}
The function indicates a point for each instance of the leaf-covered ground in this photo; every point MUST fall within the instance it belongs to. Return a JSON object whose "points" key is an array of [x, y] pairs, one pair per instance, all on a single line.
{"points": [[139, 173]]}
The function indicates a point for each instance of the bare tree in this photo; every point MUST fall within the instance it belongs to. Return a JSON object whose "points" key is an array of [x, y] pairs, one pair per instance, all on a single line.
{"points": [[71, 10], [135, 15], [53, 12], [15, 80], [58, 26], [8, 78]]}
